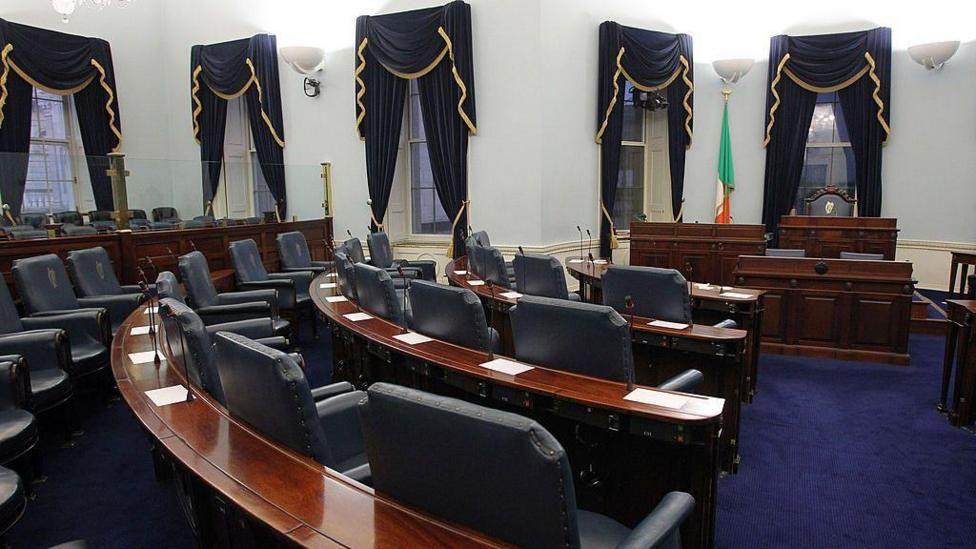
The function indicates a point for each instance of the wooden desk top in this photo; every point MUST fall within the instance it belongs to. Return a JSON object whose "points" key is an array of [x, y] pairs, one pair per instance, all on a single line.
{"points": [[593, 272], [582, 389], [881, 271], [887, 224], [290, 493], [694, 331], [963, 306]]}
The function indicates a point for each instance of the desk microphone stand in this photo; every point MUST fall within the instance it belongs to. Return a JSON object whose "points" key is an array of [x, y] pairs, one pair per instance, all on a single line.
{"points": [[406, 288], [629, 302], [152, 322], [491, 318], [589, 244], [186, 364], [580, 231]]}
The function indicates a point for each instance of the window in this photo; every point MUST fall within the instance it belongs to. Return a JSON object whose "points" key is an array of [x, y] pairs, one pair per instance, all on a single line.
{"points": [[427, 214], [50, 181], [630, 181], [829, 159]]}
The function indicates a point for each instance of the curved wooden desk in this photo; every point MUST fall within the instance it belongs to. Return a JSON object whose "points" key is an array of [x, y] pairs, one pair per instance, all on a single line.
{"points": [[627, 454], [659, 353], [708, 306], [237, 485]]}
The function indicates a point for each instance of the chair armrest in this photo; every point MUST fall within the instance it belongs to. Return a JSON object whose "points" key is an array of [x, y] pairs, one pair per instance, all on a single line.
{"points": [[727, 323], [361, 473], [323, 264], [135, 289], [684, 382], [119, 306], [82, 325], [331, 390], [427, 267], [269, 296], [660, 528], [339, 417], [284, 286], [301, 279], [43, 349], [275, 342], [218, 314], [14, 385], [253, 328]]}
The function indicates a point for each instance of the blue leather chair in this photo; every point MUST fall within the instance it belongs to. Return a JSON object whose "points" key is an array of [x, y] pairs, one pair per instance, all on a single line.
{"points": [[345, 273], [786, 252], [68, 218], [441, 455], [451, 314], [13, 500], [103, 220], [166, 214], [216, 308], [46, 293], [661, 294], [91, 269], [541, 275], [480, 239], [376, 294], [862, 256], [354, 251], [18, 427], [295, 256], [267, 389], [381, 255], [490, 265], [78, 230], [293, 287]]}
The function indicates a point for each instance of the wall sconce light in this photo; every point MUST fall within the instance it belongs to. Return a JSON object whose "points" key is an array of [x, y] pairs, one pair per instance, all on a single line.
{"points": [[306, 60], [731, 70], [933, 55]]}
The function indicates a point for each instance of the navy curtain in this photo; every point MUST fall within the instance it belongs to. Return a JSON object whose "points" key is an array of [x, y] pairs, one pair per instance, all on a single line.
{"points": [[651, 61], [856, 65], [62, 64], [434, 46], [228, 70]]}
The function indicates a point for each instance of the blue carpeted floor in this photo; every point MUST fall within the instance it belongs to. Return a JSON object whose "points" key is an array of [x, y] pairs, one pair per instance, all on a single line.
{"points": [[834, 454]]}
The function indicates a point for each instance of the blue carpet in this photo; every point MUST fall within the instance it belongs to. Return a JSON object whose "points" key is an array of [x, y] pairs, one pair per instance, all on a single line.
{"points": [[834, 454]]}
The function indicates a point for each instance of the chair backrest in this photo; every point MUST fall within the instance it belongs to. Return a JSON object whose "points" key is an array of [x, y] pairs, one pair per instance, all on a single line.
{"points": [[786, 252], [44, 284], [165, 213], [582, 338], [862, 256], [380, 251], [69, 217], [101, 215], [191, 346], [200, 290], [472, 248], [661, 294], [9, 318], [92, 272], [493, 264], [195, 224], [167, 287], [137, 214], [246, 258], [267, 389], [355, 250], [75, 230], [345, 273], [376, 293], [34, 220], [481, 237], [540, 275], [293, 250], [830, 201], [448, 313], [495, 472]]}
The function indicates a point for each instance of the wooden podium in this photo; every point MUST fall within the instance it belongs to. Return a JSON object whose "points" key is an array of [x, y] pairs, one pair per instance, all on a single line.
{"points": [[703, 252], [829, 236]]}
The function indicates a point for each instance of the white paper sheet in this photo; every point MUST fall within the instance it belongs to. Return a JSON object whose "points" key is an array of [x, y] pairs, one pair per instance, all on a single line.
{"points": [[330, 275], [336, 299], [356, 317], [703, 286], [476, 283], [599, 261], [506, 366], [327, 285], [734, 295], [511, 295], [412, 338], [139, 331], [575, 261], [657, 398], [462, 273], [143, 357], [666, 324], [155, 310], [167, 395]]}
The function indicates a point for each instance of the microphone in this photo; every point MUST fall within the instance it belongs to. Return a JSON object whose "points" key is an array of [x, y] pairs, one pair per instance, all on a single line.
{"points": [[348, 232], [491, 318], [152, 322], [629, 303], [170, 252], [192, 245], [406, 287], [580, 231], [186, 365], [521, 251], [590, 255], [589, 244]]}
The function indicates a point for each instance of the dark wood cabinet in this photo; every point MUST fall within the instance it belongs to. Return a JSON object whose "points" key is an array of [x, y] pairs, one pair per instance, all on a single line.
{"points": [[824, 236], [703, 252], [837, 308]]}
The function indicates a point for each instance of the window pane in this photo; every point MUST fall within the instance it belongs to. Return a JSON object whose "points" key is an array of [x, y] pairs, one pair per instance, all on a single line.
{"points": [[428, 216], [822, 125], [416, 118], [630, 187], [50, 116], [816, 167], [633, 129]]}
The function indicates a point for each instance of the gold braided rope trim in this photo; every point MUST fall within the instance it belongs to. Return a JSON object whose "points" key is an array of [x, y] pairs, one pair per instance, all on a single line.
{"points": [[108, 105], [876, 96], [681, 212], [772, 88], [264, 115], [53, 91], [199, 106], [379, 226], [691, 89], [674, 76], [3, 78], [825, 89], [421, 72], [362, 89], [457, 218], [614, 244], [613, 100], [457, 78]]}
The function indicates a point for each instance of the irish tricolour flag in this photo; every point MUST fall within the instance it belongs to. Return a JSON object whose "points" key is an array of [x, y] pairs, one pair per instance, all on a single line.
{"points": [[726, 174]]}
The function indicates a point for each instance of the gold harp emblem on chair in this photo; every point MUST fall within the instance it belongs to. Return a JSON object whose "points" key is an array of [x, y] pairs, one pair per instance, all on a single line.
{"points": [[298, 249], [100, 269], [829, 207], [53, 277]]}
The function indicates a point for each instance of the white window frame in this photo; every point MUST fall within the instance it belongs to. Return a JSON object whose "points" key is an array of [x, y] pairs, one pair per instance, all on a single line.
{"points": [[408, 191], [826, 145], [643, 145], [73, 148]]}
